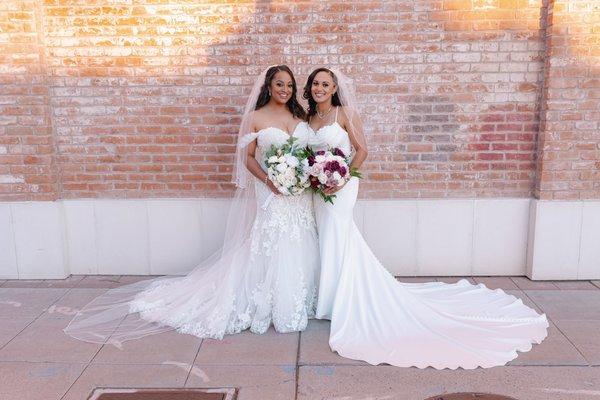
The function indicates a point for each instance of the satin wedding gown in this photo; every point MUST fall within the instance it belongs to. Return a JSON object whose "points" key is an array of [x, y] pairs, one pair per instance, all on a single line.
{"points": [[377, 319], [271, 277]]}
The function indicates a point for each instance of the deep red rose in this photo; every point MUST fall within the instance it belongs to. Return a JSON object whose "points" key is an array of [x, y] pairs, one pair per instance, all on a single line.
{"points": [[337, 152], [332, 166], [314, 182]]}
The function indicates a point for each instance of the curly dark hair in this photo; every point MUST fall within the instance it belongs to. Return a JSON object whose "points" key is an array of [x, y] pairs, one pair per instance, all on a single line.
{"points": [[312, 104], [264, 96]]}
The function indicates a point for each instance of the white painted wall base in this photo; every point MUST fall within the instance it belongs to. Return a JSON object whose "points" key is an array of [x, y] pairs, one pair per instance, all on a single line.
{"points": [[45, 240], [564, 240]]}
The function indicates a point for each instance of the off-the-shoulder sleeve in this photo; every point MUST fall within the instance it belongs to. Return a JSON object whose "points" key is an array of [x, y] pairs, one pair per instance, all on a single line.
{"points": [[247, 139]]}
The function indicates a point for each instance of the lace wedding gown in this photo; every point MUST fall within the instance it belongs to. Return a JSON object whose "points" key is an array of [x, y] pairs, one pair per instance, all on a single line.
{"points": [[269, 278], [377, 319]]}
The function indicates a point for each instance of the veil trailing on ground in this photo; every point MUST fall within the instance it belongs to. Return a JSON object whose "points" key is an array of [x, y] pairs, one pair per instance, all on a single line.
{"points": [[163, 304]]}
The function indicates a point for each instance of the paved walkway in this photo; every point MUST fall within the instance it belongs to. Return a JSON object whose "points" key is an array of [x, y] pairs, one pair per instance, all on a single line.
{"points": [[38, 361]]}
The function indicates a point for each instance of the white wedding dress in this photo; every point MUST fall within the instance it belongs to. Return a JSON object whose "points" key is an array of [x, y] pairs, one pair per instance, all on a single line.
{"points": [[271, 277], [377, 319], [279, 284]]}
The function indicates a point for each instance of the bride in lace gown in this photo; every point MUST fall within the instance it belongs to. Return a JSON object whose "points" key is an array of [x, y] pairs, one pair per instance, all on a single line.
{"points": [[374, 317], [267, 271]]}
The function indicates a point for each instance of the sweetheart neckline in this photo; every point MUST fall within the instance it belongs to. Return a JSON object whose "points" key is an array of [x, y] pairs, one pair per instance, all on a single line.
{"points": [[326, 126], [282, 130]]}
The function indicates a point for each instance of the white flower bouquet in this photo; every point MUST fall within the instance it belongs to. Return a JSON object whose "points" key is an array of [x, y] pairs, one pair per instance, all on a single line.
{"points": [[288, 169]]}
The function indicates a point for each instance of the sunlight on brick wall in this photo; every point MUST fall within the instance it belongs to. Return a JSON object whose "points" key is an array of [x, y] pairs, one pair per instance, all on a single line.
{"points": [[142, 99]]}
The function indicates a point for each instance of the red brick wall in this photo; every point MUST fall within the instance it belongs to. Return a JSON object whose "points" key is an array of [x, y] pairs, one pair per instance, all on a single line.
{"points": [[143, 99], [569, 139], [27, 151]]}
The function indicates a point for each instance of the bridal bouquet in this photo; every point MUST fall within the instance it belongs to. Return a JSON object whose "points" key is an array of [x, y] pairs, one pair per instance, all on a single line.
{"points": [[287, 167], [329, 168]]}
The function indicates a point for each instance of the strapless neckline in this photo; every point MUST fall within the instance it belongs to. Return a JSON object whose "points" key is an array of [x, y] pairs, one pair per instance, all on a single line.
{"points": [[282, 130]]}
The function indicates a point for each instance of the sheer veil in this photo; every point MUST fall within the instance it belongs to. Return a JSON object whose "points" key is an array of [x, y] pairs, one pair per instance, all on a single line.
{"points": [[347, 96], [165, 303]]}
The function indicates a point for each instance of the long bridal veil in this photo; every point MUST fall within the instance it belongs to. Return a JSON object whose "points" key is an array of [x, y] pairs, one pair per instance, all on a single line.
{"points": [[165, 303], [347, 96]]}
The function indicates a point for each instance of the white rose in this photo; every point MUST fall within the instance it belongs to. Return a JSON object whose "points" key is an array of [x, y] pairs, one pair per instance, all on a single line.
{"points": [[281, 168], [272, 159], [320, 158], [322, 177], [282, 180], [337, 177], [292, 161]]}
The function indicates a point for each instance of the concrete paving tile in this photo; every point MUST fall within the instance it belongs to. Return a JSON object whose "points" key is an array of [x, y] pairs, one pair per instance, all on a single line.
{"points": [[247, 348], [127, 376], [415, 279], [585, 335], [127, 279], [568, 304], [154, 349], [524, 282], [387, 382], [524, 298], [35, 381], [22, 283], [10, 327], [314, 346], [575, 285], [44, 341], [27, 302], [254, 382], [73, 301], [596, 283], [496, 282], [454, 279], [556, 349], [69, 282], [99, 281]]}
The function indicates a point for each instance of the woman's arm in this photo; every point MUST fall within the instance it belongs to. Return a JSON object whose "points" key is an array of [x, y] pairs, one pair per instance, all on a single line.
{"points": [[354, 127], [255, 169]]}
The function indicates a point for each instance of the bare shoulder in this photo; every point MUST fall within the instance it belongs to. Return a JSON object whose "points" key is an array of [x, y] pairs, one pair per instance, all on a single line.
{"points": [[343, 114], [257, 117]]}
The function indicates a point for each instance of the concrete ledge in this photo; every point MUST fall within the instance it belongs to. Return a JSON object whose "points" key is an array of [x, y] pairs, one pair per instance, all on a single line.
{"points": [[455, 237]]}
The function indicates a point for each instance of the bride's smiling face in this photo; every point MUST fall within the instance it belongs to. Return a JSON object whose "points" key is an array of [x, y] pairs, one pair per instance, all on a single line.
{"points": [[323, 87], [282, 87]]}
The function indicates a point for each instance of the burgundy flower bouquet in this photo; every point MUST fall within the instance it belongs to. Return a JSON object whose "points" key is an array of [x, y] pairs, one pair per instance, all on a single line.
{"points": [[327, 169]]}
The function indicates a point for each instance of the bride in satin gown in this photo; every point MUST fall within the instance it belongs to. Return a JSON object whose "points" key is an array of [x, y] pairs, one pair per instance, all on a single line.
{"points": [[374, 317], [267, 271]]}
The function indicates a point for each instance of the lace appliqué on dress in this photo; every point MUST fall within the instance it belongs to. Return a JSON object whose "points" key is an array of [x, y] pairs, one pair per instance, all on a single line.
{"points": [[288, 218]]}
